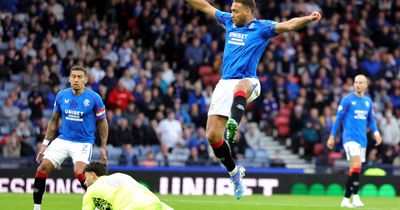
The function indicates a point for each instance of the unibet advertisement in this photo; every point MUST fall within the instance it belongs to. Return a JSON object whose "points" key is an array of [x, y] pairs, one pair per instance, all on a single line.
{"points": [[210, 183]]}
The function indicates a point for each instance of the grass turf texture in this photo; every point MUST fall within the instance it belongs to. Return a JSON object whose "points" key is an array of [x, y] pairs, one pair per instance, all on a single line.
{"points": [[14, 201]]}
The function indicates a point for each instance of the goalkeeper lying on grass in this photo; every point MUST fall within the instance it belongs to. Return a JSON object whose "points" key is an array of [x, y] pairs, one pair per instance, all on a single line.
{"points": [[117, 191]]}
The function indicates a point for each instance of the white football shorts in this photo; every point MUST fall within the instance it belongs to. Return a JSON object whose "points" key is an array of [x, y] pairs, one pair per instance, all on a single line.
{"points": [[59, 150], [353, 148], [222, 98]]}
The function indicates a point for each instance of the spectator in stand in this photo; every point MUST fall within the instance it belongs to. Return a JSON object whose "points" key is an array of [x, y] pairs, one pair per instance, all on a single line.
{"points": [[310, 137], [12, 145], [268, 108], [109, 80], [196, 96], [124, 132], [170, 132], [127, 80], [120, 97], [253, 136], [27, 149], [140, 132], [153, 139], [9, 112], [297, 120], [5, 70], [36, 104], [390, 129], [128, 156], [149, 161], [148, 105], [51, 97], [96, 72], [198, 146], [238, 147]]}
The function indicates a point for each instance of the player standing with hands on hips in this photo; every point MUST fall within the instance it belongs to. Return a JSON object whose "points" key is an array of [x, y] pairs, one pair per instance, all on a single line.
{"points": [[81, 110], [356, 112], [246, 40]]}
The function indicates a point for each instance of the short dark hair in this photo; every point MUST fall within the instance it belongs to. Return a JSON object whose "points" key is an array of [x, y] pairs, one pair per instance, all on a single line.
{"points": [[249, 3], [79, 68], [100, 169]]}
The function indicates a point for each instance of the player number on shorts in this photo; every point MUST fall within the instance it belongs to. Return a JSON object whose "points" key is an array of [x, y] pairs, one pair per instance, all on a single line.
{"points": [[84, 148]]}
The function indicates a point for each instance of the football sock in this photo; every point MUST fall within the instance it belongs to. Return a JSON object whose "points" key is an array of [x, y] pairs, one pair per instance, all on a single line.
{"points": [[233, 172], [239, 105], [349, 183], [37, 207], [39, 186], [223, 153], [356, 179], [81, 178]]}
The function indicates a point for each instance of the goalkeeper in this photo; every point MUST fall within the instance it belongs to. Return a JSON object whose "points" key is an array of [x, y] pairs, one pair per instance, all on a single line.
{"points": [[117, 191]]}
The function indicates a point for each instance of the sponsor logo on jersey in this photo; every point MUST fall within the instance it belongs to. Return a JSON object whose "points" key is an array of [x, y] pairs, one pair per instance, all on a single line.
{"points": [[237, 38], [360, 114], [73, 115]]}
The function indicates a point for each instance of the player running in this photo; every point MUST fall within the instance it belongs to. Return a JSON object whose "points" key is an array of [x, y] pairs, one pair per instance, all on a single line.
{"points": [[246, 39]]}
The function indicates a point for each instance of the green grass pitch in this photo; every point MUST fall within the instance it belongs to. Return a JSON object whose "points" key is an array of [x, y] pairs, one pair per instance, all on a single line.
{"points": [[13, 201]]}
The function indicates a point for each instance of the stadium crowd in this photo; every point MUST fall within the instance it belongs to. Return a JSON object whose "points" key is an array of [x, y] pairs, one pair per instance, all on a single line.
{"points": [[155, 64]]}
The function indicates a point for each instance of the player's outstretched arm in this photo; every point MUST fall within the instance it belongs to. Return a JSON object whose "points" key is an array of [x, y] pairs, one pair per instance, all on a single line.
{"points": [[102, 125], [295, 24], [52, 126], [204, 6]]}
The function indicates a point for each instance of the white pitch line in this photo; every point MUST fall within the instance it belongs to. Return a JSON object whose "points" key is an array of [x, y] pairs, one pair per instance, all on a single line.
{"points": [[260, 204]]}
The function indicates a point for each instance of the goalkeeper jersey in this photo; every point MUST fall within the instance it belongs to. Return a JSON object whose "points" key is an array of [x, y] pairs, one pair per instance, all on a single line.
{"points": [[120, 192]]}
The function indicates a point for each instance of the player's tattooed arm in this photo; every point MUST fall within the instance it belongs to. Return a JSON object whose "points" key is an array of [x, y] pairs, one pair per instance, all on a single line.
{"points": [[52, 126], [51, 131], [102, 125]]}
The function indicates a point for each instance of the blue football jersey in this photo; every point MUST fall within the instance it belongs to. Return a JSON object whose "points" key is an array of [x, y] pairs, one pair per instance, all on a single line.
{"points": [[244, 46], [79, 114], [355, 113]]}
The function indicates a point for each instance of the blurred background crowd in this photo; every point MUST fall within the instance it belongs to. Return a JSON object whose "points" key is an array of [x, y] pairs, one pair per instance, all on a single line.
{"points": [[155, 64]]}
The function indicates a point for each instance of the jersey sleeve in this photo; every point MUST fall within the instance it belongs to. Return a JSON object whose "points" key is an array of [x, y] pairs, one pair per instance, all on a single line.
{"points": [[100, 108], [268, 30], [88, 203], [341, 112], [57, 101], [223, 17], [371, 119]]}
